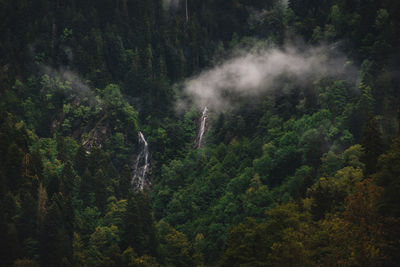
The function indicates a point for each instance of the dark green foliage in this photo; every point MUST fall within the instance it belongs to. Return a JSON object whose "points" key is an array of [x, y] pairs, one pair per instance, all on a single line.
{"points": [[80, 161], [55, 237], [283, 177], [373, 146], [139, 231], [246, 246], [125, 182], [388, 177], [9, 243], [27, 217]]}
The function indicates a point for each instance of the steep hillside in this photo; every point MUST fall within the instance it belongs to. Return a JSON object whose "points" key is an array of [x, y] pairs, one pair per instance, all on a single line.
{"points": [[199, 133]]}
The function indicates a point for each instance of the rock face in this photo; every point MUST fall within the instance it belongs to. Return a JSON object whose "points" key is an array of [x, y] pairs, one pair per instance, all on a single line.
{"points": [[96, 137]]}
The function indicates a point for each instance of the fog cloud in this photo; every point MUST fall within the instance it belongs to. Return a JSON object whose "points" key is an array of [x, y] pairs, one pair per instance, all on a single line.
{"points": [[168, 4], [73, 83], [252, 73]]}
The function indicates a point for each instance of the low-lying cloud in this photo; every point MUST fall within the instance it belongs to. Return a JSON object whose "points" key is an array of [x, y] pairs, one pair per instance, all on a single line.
{"points": [[256, 72], [73, 83], [171, 4]]}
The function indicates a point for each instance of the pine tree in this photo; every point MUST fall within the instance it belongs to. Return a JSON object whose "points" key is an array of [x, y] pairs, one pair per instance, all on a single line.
{"points": [[139, 231], [373, 146], [80, 161], [125, 182], [55, 240]]}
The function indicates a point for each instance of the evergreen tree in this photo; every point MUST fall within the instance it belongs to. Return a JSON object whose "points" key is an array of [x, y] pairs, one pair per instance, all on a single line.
{"points": [[55, 241], [373, 146]]}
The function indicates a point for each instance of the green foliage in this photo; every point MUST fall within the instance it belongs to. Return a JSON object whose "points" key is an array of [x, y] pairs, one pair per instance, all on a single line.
{"points": [[373, 146], [388, 177], [55, 235], [283, 179], [79, 255], [327, 194], [176, 248], [139, 231], [247, 245], [103, 245]]}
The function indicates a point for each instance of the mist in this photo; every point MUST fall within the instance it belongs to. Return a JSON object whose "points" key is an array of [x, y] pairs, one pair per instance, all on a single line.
{"points": [[75, 85], [251, 73], [171, 4]]}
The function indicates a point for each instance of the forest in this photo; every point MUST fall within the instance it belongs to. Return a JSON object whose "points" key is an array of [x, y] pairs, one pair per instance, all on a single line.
{"points": [[199, 133]]}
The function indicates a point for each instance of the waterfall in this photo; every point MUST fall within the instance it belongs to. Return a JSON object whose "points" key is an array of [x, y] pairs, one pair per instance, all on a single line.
{"points": [[141, 166], [200, 135]]}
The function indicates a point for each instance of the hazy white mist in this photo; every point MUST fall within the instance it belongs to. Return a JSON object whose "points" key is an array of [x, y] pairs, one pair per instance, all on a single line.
{"points": [[256, 72], [75, 84], [171, 4]]}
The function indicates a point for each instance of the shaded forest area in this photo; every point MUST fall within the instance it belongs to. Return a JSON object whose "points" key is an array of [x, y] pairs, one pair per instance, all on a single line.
{"points": [[305, 174]]}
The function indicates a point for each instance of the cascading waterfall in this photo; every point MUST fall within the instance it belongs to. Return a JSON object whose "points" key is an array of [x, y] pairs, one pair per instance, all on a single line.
{"points": [[200, 135], [141, 166]]}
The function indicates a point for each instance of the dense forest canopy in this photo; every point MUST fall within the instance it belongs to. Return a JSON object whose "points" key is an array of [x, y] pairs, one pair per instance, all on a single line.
{"points": [[199, 133]]}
